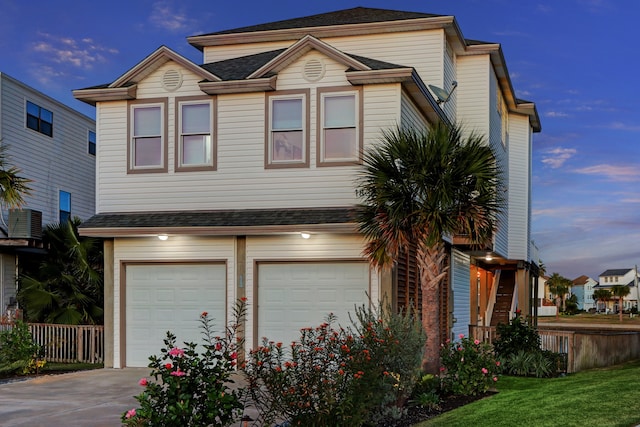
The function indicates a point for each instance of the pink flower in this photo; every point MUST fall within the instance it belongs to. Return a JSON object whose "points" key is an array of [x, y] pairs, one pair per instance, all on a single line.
{"points": [[234, 355], [175, 351], [178, 373], [168, 365], [485, 371], [495, 379], [476, 342], [143, 382], [461, 336], [130, 413], [218, 346], [498, 363], [204, 314], [442, 368]]}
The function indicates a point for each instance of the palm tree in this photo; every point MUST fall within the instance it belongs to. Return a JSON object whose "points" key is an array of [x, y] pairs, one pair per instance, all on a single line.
{"points": [[417, 187], [558, 286], [601, 295], [13, 187], [620, 291], [66, 286]]}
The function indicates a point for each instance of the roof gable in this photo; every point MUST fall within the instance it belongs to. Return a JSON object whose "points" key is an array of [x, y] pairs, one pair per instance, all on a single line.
{"points": [[154, 61]]}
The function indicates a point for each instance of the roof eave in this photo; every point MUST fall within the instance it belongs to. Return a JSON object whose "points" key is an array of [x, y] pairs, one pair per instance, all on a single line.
{"points": [[93, 96], [202, 41], [239, 86], [106, 232]]}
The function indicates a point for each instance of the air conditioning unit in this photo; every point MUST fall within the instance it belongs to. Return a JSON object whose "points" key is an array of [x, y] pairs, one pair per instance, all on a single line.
{"points": [[25, 224]]}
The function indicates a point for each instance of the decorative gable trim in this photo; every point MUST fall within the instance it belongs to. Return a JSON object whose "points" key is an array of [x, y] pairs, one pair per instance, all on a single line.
{"points": [[154, 61], [301, 47], [92, 96], [238, 86]]}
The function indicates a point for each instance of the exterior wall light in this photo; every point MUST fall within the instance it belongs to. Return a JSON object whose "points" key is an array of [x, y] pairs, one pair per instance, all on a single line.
{"points": [[305, 235], [163, 237], [488, 257]]}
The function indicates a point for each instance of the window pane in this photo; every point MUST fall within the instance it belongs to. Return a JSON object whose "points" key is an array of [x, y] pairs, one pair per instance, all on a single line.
{"points": [[33, 122], [340, 144], [195, 118], [46, 115], [286, 146], [147, 121], [286, 114], [147, 152], [46, 128], [65, 201], [340, 111], [196, 150], [33, 109]]}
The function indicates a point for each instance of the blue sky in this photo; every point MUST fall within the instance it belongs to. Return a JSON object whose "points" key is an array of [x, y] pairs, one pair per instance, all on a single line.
{"points": [[577, 59]]}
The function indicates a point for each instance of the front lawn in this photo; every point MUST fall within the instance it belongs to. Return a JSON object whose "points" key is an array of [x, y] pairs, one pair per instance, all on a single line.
{"points": [[600, 397]]}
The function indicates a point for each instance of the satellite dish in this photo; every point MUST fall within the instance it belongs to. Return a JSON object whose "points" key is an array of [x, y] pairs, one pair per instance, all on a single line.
{"points": [[442, 95]]}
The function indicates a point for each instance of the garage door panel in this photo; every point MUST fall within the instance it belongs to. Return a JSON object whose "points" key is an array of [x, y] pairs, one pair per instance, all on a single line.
{"points": [[307, 293], [170, 297]]}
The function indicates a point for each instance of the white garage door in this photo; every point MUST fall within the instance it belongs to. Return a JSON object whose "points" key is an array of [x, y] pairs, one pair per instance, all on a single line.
{"points": [[292, 296], [170, 297]]}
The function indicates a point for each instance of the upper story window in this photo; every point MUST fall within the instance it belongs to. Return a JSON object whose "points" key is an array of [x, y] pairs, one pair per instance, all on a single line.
{"points": [[339, 128], [287, 130], [64, 201], [92, 143], [147, 136], [39, 119], [195, 145]]}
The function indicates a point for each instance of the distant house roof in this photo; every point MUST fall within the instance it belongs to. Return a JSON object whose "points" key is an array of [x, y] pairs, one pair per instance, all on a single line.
{"points": [[616, 272], [357, 15], [579, 281]]}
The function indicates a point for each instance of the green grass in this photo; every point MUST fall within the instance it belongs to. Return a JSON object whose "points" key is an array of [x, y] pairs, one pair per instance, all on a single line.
{"points": [[601, 397]]}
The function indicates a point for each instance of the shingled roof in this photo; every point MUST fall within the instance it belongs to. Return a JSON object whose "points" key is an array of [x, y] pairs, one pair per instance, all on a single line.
{"points": [[356, 15], [220, 219]]}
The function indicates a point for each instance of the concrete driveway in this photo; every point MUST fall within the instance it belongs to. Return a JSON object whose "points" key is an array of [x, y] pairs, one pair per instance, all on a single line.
{"points": [[86, 398]]}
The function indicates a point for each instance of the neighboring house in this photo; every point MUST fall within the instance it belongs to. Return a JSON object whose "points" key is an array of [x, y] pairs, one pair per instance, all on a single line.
{"points": [[582, 288], [231, 161], [621, 277], [545, 305], [54, 146]]}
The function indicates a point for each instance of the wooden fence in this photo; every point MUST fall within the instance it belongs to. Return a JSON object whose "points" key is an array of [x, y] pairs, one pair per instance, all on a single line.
{"points": [[68, 343]]}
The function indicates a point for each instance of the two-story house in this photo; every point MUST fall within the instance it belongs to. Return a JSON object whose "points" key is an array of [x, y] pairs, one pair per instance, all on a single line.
{"points": [[54, 146], [619, 277], [236, 177], [582, 288]]}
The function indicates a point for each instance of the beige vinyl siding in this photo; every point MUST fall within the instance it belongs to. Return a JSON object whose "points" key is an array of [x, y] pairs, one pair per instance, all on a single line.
{"points": [[320, 247], [411, 118], [449, 77], [473, 93], [177, 248], [7, 280], [461, 286], [519, 186], [501, 150], [397, 48], [241, 180], [61, 162]]}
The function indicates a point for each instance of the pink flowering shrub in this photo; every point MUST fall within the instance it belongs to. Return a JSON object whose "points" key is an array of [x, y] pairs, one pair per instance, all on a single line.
{"points": [[468, 367], [190, 388]]}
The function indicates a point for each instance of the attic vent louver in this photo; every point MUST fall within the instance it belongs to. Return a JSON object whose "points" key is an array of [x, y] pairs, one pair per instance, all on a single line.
{"points": [[171, 80], [313, 70]]}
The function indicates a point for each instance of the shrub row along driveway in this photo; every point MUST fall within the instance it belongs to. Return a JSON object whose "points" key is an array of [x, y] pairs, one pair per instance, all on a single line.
{"points": [[89, 398]]}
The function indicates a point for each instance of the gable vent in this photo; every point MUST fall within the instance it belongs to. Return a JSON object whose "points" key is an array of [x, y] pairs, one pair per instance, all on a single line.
{"points": [[313, 70], [171, 80]]}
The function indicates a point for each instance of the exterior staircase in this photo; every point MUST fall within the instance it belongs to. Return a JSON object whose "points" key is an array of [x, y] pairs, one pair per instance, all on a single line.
{"points": [[504, 297]]}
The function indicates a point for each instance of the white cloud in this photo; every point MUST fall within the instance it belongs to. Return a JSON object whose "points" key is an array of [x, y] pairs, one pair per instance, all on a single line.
{"points": [[556, 157], [623, 126], [618, 173], [164, 16], [557, 114], [83, 53]]}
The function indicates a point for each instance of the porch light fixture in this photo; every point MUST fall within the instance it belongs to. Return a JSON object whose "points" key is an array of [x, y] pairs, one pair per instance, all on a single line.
{"points": [[305, 235], [163, 237], [488, 257]]}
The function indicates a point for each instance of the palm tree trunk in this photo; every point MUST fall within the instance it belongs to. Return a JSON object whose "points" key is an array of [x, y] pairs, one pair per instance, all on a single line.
{"points": [[620, 307], [433, 269], [557, 308]]}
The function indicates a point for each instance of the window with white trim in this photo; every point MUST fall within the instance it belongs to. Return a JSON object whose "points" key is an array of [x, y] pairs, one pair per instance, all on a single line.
{"points": [[287, 133], [64, 204], [147, 137], [339, 133], [195, 144]]}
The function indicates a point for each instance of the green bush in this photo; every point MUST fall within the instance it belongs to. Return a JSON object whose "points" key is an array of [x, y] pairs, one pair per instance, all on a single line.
{"points": [[18, 352], [540, 364], [339, 376], [515, 337], [191, 388], [468, 367]]}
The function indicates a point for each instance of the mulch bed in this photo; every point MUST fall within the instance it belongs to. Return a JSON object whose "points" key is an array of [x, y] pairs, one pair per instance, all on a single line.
{"points": [[416, 415]]}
